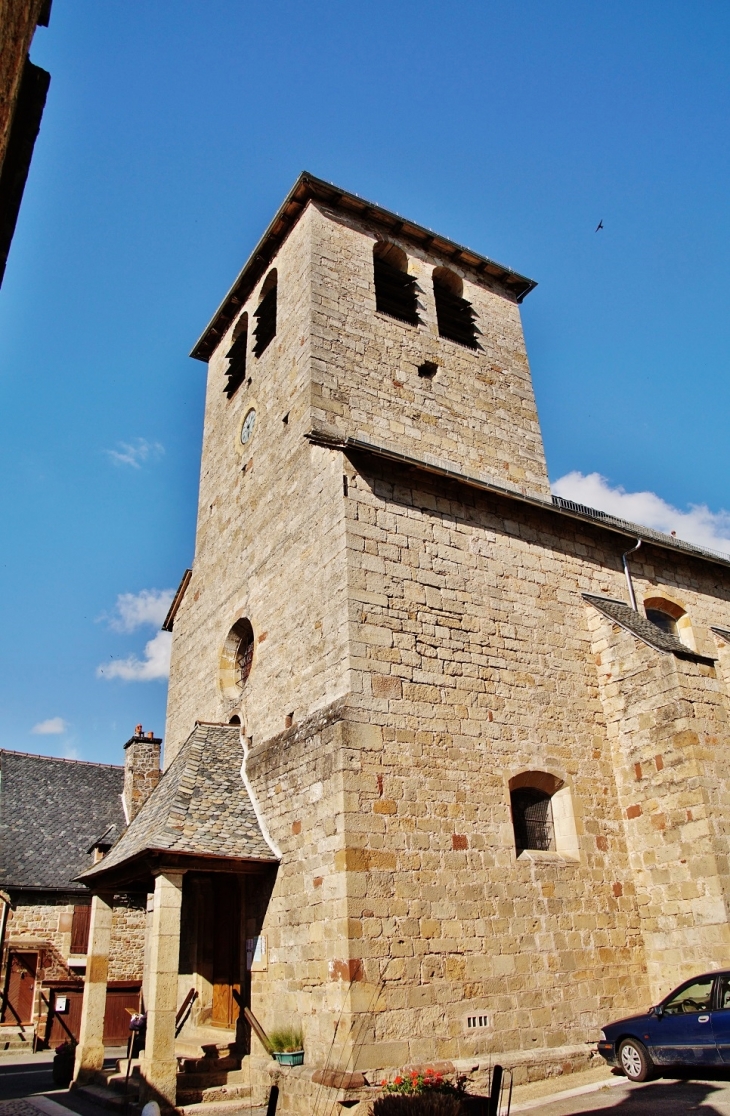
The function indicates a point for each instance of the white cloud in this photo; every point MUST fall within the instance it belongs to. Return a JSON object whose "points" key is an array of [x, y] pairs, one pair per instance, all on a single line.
{"points": [[134, 610], [699, 525], [136, 453], [154, 665], [52, 727]]}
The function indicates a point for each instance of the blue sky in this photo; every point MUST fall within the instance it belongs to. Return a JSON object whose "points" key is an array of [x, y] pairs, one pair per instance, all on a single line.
{"points": [[173, 131]]}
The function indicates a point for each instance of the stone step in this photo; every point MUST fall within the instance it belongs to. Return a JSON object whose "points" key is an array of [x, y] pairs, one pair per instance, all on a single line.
{"points": [[107, 1098], [120, 1084], [210, 1065], [217, 1093], [122, 1064], [15, 1041], [210, 1079], [220, 1108]]}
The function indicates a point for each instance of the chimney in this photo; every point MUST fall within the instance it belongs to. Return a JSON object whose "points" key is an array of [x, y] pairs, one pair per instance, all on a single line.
{"points": [[141, 770]]}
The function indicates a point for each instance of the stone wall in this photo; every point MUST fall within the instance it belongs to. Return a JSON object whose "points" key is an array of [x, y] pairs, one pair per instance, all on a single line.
{"points": [[427, 642], [270, 538], [477, 414], [126, 952]]}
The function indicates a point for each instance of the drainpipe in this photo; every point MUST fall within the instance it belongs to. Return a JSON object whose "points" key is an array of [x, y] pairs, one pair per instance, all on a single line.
{"points": [[627, 571]]}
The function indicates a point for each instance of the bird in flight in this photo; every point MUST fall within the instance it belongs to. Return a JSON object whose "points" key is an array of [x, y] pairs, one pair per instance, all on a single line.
{"points": [[599, 225]]}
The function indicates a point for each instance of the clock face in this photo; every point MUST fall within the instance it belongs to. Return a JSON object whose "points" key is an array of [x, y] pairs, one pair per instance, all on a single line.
{"points": [[247, 428]]}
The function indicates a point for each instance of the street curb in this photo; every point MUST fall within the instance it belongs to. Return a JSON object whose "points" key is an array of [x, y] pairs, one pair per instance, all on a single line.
{"points": [[550, 1098]]}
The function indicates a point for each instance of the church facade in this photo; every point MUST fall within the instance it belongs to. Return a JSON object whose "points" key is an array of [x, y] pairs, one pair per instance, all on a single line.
{"points": [[482, 732]]}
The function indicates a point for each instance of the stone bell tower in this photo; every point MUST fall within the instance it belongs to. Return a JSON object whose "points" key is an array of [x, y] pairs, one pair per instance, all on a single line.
{"points": [[402, 621]]}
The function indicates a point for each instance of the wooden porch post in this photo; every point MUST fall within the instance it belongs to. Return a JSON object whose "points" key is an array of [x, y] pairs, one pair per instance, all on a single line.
{"points": [[90, 1050], [158, 1064]]}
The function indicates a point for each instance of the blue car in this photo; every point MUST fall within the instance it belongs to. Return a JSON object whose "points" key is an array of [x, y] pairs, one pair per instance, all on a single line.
{"points": [[691, 1027]]}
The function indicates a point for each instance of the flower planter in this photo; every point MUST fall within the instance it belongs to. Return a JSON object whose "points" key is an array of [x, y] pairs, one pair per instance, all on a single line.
{"points": [[63, 1070], [289, 1057]]}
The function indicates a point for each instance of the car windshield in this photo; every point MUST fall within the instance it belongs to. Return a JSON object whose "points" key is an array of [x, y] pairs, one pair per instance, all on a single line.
{"points": [[690, 999]]}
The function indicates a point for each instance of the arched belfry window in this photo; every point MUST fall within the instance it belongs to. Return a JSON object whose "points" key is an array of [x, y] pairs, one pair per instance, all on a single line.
{"points": [[455, 316], [542, 814], [237, 658], [396, 292], [265, 315], [236, 372]]}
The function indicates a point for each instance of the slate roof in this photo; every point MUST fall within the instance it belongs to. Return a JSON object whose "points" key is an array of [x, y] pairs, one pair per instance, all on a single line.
{"points": [[200, 806], [636, 623], [51, 810]]}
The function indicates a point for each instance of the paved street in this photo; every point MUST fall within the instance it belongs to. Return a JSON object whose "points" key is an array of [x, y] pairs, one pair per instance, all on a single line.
{"points": [[670, 1097]]}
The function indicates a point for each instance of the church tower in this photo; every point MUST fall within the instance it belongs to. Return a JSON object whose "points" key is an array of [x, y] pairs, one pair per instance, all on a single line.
{"points": [[439, 684]]}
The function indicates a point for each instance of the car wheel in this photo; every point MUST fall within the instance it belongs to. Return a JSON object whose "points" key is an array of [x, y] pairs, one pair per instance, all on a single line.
{"points": [[634, 1060]]}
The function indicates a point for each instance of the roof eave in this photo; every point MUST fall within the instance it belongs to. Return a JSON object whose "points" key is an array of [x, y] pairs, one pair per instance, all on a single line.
{"points": [[308, 187]]}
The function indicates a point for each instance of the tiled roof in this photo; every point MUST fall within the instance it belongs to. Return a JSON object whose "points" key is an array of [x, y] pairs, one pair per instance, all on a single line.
{"points": [[200, 806], [51, 810], [643, 629]]}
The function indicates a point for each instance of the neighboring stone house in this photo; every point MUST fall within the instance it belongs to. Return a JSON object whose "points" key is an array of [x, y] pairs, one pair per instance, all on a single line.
{"points": [[56, 817], [447, 763], [23, 90]]}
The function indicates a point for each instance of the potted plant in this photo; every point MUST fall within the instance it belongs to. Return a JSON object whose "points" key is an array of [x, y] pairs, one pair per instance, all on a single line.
{"points": [[422, 1094], [63, 1064], [287, 1045]]}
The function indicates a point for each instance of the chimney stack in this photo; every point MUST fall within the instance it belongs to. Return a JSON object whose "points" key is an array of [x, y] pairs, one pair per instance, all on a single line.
{"points": [[141, 770]]}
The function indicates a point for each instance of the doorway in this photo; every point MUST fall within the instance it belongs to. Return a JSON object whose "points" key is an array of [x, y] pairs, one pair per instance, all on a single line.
{"points": [[20, 994], [226, 941]]}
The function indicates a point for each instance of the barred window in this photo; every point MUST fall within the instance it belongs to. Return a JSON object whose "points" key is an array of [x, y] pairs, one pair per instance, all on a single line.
{"points": [[455, 316], [265, 315], [532, 819], [236, 372], [396, 292]]}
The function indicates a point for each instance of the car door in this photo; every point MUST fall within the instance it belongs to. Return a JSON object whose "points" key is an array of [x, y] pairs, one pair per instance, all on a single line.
{"points": [[721, 1017], [681, 1033]]}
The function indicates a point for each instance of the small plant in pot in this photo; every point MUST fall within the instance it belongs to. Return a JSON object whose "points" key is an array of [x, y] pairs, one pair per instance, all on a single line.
{"points": [[287, 1044], [63, 1064]]}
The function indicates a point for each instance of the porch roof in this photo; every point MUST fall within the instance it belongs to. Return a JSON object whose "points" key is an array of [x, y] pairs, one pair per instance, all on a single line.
{"points": [[200, 808]]}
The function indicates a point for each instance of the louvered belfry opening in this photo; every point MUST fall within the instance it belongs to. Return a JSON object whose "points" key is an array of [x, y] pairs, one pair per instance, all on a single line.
{"points": [[396, 292], [265, 315], [455, 316], [532, 819], [237, 357]]}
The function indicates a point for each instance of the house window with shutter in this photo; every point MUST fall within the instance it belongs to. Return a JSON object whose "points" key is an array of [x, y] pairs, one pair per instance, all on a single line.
{"points": [[396, 292], [80, 929], [455, 316], [236, 371], [265, 315]]}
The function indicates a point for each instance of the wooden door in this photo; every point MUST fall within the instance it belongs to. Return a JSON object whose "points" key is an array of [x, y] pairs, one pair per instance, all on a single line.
{"points": [[64, 1020], [226, 951], [21, 988], [121, 1004]]}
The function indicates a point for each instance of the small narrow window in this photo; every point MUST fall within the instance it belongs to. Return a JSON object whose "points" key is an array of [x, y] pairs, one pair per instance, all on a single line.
{"points": [[454, 314], [265, 315], [542, 814], [237, 357], [671, 618], [532, 818], [80, 929], [396, 292]]}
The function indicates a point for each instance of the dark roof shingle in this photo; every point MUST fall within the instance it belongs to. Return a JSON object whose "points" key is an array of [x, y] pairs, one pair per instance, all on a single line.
{"points": [[200, 806], [639, 626], [51, 810]]}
